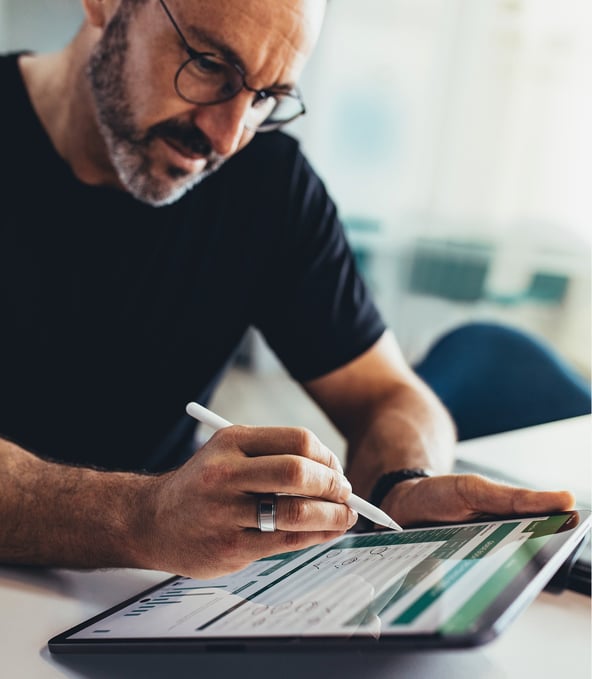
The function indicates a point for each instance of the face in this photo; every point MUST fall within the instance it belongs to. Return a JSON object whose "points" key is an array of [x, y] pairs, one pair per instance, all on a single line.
{"points": [[160, 145]]}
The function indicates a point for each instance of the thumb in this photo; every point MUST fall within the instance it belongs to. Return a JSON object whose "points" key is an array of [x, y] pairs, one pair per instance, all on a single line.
{"points": [[460, 497]]}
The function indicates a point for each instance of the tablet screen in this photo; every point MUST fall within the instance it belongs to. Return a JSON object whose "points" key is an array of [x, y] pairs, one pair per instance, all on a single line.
{"points": [[442, 583]]}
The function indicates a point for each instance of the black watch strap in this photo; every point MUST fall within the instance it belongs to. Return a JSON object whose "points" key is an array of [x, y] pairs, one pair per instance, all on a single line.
{"points": [[390, 479]]}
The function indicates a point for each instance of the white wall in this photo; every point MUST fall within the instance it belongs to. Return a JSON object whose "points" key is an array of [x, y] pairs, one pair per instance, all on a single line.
{"points": [[463, 120], [41, 25]]}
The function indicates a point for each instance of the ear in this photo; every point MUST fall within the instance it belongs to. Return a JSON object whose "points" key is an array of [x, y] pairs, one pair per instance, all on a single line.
{"points": [[98, 11]]}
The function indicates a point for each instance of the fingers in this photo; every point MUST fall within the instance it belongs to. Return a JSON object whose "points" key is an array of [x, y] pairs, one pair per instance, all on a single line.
{"points": [[256, 441], [544, 501], [486, 496], [265, 544], [293, 475], [461, 497], [299, 514], [277, 460]]}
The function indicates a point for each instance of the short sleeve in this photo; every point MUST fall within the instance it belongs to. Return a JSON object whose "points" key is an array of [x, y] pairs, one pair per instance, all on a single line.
{"points": [[317, 313]]}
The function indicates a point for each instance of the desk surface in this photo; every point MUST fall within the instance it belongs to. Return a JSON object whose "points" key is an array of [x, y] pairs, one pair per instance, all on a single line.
{"points": [[553, 456], [550, 638]]}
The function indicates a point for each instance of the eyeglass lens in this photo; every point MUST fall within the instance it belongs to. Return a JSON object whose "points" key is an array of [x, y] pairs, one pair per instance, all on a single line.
{"points": [[209, 79]]}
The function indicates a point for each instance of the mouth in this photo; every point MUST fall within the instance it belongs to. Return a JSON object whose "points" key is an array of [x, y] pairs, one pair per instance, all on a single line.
{"points": [[183, 157], [182, 150]]}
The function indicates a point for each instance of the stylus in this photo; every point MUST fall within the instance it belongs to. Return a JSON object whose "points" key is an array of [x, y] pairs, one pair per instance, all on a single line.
{"points": [[369, 511]]}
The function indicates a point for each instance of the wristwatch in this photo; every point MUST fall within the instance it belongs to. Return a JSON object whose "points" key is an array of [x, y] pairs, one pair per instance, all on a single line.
{"points": [[389, 480]]}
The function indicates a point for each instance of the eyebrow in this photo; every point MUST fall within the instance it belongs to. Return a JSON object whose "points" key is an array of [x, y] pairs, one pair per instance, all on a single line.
{"points": [[224, 50]]}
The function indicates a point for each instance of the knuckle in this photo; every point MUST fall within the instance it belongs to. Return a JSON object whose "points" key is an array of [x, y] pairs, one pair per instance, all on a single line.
{"points": [[215, 473], [294, 472], [307, 442], [293, 540], [336, 462], [341, 517], [296, 512], [466, 486], [334, 487], [223, 435], [236, 430], [228, 437]]}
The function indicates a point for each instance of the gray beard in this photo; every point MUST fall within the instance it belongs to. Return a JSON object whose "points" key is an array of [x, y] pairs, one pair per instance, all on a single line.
{"points": [[133, 169], [129, 148]]}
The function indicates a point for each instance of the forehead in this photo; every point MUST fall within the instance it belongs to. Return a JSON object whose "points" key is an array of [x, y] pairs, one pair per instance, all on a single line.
{"points": [[261, 34]]}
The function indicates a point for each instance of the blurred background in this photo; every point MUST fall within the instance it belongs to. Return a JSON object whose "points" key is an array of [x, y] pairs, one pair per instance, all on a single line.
{"points": [[454, 136]]}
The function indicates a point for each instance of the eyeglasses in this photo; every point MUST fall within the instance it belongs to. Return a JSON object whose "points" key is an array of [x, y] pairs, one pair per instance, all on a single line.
{"points": [[206, 78]]}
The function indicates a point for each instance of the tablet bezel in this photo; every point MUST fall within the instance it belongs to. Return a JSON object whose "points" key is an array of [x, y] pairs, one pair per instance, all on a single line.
{"points": [[495, 618]]}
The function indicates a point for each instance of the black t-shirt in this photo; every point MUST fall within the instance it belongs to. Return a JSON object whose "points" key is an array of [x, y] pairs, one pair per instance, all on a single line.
{"points": [[115, 314]]}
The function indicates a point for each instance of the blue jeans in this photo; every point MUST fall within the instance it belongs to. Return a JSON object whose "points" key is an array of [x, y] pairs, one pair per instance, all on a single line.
{"points": [[493, 378]]}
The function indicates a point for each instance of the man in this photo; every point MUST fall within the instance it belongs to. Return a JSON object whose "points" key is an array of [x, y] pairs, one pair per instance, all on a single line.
{"points": [[129, 275]]}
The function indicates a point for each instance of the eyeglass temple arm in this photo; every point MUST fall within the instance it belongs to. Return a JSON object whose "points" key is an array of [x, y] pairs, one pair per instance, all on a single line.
{"points": [[176, 27]]}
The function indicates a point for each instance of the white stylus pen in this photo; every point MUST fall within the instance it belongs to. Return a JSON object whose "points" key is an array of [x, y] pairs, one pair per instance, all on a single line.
{"points": [[364, 508]]}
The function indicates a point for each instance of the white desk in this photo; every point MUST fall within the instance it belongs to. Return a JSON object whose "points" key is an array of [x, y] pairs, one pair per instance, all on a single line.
{"points": [[552, 456], [551, 639]]}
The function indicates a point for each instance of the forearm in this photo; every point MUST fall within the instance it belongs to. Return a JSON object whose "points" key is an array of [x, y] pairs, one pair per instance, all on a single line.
{"points": [[404, 428], [57, 515], [199, 519], [390, 418]]}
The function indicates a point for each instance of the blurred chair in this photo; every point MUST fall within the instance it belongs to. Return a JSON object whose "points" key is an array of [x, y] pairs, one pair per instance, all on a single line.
{"points": [[494, 378]]}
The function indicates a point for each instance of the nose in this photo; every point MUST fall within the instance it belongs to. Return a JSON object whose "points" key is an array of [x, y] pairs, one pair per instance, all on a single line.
{"points": [[224, 123]]}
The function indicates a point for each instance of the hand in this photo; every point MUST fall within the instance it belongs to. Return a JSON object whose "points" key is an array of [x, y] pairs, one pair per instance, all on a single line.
{"points": [[203, 519], [461, 497]]}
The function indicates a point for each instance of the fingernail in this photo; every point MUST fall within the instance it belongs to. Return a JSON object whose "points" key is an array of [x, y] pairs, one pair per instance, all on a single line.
{"points": [[352, 517]]}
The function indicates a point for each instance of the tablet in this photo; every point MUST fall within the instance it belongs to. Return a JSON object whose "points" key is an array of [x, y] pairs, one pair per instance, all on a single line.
{"points": [[439, 586]]}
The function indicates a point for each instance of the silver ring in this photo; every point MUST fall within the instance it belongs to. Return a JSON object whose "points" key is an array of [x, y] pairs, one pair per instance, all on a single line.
{"points": [[266, 513]]}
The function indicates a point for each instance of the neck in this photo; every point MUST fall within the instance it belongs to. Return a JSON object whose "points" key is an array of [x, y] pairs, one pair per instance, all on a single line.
{"points": [[59, 91]]}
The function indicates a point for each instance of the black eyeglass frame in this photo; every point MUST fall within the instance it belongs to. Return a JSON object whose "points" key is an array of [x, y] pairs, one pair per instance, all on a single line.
{"points": [[194, 54]]}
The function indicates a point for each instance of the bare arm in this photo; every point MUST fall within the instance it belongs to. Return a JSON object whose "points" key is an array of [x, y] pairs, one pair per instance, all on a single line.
{"points": [[389, 417], [392, 420], [53, 514], [199, 520]]}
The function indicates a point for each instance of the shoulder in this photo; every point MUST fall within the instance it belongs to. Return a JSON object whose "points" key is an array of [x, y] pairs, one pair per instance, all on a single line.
{"points": [[271, 144], [269, 185], [270, 155], [9, 70], [15, 97], [273, 167]]}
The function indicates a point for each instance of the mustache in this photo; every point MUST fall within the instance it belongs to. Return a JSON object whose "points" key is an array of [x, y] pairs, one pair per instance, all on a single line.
{"points": [[187, 136]]}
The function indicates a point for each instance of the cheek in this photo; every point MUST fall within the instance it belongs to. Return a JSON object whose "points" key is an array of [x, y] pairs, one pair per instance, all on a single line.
{"points": [[149, 79]]}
